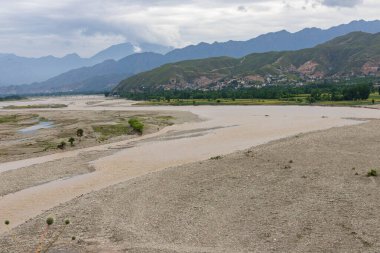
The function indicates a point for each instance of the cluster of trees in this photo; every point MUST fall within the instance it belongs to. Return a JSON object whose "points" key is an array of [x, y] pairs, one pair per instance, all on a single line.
{"points": [[351, 92], [316, 92]]}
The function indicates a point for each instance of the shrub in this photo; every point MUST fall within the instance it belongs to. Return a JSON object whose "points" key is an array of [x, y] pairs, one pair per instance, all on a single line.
{"points": [[71, 140], [372, 173], [136, 125], [216, 157], [6, 222], [80, 132], [49, 221], [62, 145]]}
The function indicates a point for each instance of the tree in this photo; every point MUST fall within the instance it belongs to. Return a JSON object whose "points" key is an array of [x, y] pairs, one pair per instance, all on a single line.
{"points": [[71, 140], [311, 99], [80, 132], [316, 94], [359, 91], [364, 91]]}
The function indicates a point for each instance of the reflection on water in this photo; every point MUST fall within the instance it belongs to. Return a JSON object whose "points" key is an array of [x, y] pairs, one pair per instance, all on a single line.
{"points": [[32, 129]]}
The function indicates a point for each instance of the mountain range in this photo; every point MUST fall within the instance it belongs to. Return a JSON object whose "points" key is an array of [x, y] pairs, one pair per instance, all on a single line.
{"points": [[354, 54], [107, 74], [16, 70]]}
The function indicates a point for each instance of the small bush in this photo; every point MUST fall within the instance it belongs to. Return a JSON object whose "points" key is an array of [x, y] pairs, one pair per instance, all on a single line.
{"points": [[80, 132], [136, 125], [6, 222], [372, 173], [62, 145], [49, 221], [216, 157]]}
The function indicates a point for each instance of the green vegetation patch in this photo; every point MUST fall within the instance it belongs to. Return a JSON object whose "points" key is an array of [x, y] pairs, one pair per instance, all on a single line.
{"points": [[8, 119], [107, 131], [136, 124], [372, 173], [12, 98], [18, 119], [40, 106]]}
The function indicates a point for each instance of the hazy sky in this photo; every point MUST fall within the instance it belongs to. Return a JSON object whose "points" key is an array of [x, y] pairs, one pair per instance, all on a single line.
{"points": [[43, 27]]}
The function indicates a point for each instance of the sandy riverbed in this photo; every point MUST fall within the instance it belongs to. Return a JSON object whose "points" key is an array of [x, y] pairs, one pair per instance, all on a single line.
{"points": [[307, 193], [223, 130]]}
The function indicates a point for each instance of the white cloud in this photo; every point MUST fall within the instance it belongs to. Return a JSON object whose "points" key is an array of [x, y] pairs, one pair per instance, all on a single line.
{"points": [[342, 3], [42, 27]]}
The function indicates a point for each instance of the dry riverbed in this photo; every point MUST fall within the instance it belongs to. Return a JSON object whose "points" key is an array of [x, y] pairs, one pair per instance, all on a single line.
{"points": [[306, 193], [187, 187]]}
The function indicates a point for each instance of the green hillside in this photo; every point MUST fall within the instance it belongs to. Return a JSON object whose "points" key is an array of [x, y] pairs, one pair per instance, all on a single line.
{"points": [[356, 54]]}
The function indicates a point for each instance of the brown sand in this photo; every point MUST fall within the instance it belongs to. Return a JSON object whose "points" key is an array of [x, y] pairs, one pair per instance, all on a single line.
{"points": [[16, 180], [299, 194]]}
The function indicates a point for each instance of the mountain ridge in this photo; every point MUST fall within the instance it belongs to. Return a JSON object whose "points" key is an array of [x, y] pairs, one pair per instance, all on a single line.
{"points": [[18, 70], [355, 54], [271, 41]]}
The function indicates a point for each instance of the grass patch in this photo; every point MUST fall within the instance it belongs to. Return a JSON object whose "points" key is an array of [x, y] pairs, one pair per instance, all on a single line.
{"points": [[47, 145], [8, 119], [41, 106], [107, 131]]}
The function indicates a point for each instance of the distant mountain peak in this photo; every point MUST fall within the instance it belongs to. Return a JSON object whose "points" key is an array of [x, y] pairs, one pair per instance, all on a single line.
{"points": [[73, 55]]}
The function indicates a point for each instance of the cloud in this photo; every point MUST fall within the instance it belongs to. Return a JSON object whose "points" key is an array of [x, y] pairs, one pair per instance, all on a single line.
{"points": [[242, 8], [342, 3], [42, 27]]}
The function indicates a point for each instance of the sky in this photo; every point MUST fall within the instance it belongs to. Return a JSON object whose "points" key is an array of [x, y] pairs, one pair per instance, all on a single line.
{"points": [[36, 28]]}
